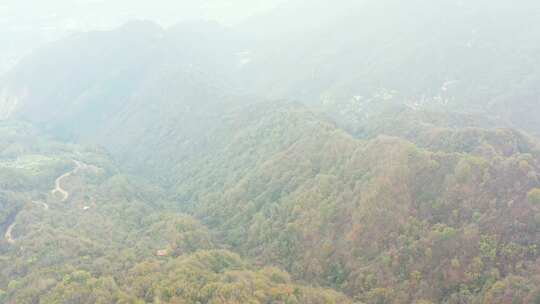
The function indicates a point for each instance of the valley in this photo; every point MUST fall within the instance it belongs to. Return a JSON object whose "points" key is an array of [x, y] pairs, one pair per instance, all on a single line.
{"points": [[366, 152], [58, 189]]}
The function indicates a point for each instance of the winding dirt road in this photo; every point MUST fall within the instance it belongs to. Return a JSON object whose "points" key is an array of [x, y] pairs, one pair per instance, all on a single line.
{"points": [[8, 235], [57, 189], [58, 182], [42, 204]]}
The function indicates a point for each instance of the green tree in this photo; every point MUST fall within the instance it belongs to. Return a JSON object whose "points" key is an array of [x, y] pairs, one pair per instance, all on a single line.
{"points": [[534, 196]]}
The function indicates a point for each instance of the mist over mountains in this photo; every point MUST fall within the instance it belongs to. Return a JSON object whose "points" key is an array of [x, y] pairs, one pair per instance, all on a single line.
{"points": [[287, 152], [27, 25]]}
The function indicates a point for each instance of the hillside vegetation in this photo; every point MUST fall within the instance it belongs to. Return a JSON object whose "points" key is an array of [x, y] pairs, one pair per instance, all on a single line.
{"points": [[367, 152], [115, 239], [380, 219]]}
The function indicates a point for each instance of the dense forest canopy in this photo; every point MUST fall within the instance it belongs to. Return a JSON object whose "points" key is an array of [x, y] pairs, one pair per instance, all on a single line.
{"points": [[375, 151]]}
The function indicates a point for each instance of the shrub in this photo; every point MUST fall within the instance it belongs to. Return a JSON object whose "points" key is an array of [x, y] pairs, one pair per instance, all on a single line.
{"points": [[534, 196]]}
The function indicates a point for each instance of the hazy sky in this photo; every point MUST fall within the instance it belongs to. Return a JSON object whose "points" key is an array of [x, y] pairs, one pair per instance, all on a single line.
{"points": [[91, 13]]}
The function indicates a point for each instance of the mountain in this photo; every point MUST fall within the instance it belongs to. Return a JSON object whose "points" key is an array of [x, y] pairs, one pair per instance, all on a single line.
{"points": [[172, 83], [76, 229], [355, 51], [367, 152], [474, 56], [381, 218]]}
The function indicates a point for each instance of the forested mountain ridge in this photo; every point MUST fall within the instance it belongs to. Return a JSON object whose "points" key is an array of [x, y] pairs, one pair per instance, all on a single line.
{"points": [[470, 56], [131, 88], [352, 154], [380, 218], [112, 238], [478, 59]]}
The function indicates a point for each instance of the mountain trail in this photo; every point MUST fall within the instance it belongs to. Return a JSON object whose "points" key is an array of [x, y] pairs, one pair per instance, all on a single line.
{"points": [[8, 235], [57, 183], [42, 204]]}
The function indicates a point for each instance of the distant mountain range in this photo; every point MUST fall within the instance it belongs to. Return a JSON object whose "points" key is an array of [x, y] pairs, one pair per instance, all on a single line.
{"points": [[387, 150]]}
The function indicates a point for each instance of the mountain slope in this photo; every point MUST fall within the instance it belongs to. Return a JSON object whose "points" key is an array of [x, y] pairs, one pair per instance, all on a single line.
{"points": [[378, 218], [120, 88], [75, 229], [398, 177], [476, 56]]}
